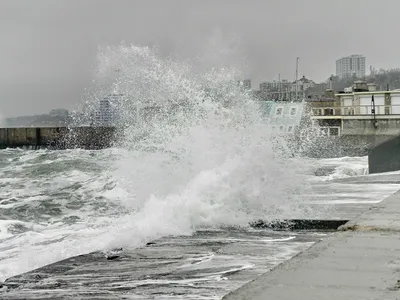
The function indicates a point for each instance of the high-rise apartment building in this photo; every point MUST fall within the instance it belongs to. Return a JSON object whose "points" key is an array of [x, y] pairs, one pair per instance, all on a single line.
{"points": [[349, 66], [107, 113]]}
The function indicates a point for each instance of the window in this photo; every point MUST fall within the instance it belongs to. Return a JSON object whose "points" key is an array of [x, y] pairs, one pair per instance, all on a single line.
{"points": [[334, 131], [316, 112], [293, 111], [281, 128], [290, 129], [387, 110], [279, 111], [324, 131]]}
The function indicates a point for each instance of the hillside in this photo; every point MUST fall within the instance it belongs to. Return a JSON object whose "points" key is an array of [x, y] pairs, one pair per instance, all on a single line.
{"points": [[382, 78]]}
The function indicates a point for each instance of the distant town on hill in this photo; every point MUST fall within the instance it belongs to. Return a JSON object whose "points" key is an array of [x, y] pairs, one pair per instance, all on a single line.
{"points": [[282, 90], [56, 117], [382, 78]]}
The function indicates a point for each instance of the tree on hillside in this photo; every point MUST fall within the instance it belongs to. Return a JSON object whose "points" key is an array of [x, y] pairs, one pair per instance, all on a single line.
{"points": [[381, 78], [386, 77]]}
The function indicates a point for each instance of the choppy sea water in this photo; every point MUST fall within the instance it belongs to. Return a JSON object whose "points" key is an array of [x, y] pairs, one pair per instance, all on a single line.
{"points": [[59, 204]]}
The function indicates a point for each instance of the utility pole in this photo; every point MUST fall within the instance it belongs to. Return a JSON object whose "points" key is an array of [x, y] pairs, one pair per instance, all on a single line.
{"points": [[297, 73]]}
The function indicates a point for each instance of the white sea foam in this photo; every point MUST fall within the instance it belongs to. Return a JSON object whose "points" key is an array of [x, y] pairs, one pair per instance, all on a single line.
{"points": [[344, 167]]}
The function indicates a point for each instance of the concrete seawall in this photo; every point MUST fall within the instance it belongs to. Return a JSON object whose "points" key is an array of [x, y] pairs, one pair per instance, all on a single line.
{"points": [[361, 261], [104, 137], [58, 137], [385, 157]]}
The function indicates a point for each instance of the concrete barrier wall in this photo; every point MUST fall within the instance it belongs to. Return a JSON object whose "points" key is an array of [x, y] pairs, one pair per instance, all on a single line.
{"points": [[388, 127], [3, 138], [58, 137], [91, 137], [385, 157], [345, 145]]}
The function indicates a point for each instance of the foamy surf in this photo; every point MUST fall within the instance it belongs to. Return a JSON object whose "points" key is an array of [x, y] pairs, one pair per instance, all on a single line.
{"points": [[91, 211]]}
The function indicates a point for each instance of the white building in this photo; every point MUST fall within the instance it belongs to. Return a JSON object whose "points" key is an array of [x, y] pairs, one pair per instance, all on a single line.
{"points": [[302, 84], [370, 103], [286, 90], [285, 117], [349, 66], [368, 112], [108, 110]]}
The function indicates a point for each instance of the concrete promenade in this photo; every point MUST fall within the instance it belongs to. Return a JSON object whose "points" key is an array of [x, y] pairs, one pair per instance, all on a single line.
{"points": [[361, 261]]}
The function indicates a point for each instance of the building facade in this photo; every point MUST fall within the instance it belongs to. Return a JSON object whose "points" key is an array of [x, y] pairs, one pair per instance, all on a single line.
{"points": [[349, 66], [108, 110], [374, 113], [284, 117], [302, 84], [285, 90]]}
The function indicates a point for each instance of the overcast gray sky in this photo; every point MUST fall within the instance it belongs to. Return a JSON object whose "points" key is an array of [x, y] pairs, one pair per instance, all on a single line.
{"points": [[48, 47]]}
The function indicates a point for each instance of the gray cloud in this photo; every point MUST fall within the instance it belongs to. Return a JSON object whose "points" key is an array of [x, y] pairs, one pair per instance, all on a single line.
{"points": [[48, 48]]}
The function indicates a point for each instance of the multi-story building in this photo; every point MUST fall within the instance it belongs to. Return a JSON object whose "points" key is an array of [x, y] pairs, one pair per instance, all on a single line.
{"points": [[285, 90], [275, 90], [107, 113], [349, 66], [284, 117], [303, 84], [361, 111], [275, 86]]}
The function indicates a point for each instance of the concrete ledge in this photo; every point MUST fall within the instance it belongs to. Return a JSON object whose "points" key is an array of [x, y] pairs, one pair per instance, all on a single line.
{"points": [[300, 224], [382, 217], [362, 261]]}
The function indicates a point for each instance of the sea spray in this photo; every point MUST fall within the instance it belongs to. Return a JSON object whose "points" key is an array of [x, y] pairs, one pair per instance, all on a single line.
{"points": [[198, 151], [195, 153]]}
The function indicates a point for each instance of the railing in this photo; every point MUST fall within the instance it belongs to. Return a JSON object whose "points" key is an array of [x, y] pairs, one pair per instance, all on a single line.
{"points": [[356, 110]]}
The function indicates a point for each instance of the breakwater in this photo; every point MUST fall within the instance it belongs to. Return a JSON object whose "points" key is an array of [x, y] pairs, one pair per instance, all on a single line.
{"points": [[88, 137], [58, 137], [385, 157], [381, 149]]}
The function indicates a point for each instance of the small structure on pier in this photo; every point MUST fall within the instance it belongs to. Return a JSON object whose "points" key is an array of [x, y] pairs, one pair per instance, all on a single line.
{"points": [[360, 110]]}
